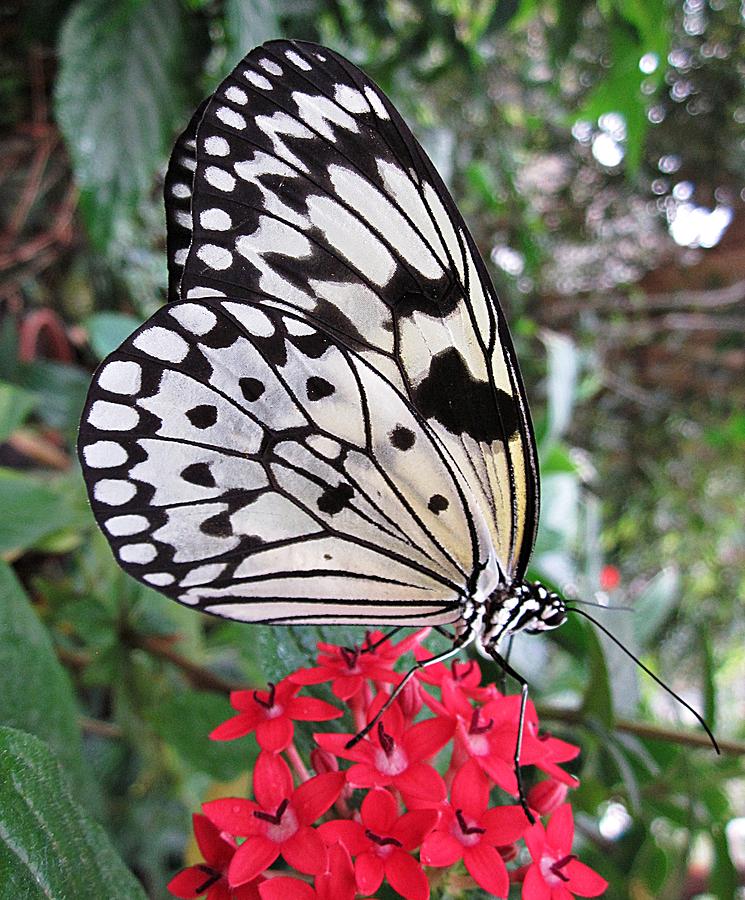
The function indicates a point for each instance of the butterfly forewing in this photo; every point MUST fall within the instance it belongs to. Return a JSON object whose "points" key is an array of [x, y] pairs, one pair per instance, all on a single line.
{"points": [[252, 465], [311, 193]]}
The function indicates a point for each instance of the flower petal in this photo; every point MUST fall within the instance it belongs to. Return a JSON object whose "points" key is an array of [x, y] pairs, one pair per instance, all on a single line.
{"points": [[405, 875], [337, 744], [470, 790], [346, 832], [217, 850], [254, 856], [309, 709], [504, 825], [315, 796], [487, 868], [425, 739], [421, 781], [560, 829], [283, 888], [412, 828], [346, 686], [583, 880], [379, 812], [368, 871], [313, 675], [275, 735], [364, 775], [189, 883], [305, 851], [338, 882], [535, 840], [235, 727], [232, 814], [272, 780], [441, 849], [534, 887]]}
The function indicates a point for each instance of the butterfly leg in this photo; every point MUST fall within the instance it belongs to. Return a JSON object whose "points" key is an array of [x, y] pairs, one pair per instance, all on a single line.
{"points": [[458, 644], [371, 648], [506, 657], [508, 670]]}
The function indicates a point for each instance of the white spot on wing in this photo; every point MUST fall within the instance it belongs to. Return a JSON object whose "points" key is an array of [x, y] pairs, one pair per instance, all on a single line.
{"points": [[137, 553], [215, 257], [203, 574], [220, 179], [181, 190], [269, 66], [236, 95], [194, 318], [257, 80], [179, 257], [351, 99], [298, 328], [318, 111], [104, 454], [113, 491], [120, 526], [112, 416], [216, 146], [298, 60], [231, 117], [377, 104], [162, 343], [252, 318], [159, 579], [215, 219], [121, 377]]}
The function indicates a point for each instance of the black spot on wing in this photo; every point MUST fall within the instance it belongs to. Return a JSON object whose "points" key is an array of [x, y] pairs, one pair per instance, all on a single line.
{"points": [[437, 504], [452, 396], [334, 499], [199, 473], [438, 300], [317, 388], [202, 416], [217, 526], [251, 388], [402, 438]]}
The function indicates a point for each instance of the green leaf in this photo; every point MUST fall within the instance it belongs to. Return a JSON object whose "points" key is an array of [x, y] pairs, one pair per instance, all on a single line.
{"points": [[598, 700], [107, 330], [35, 691], [724, 879], [185, 720], [49, 847], [655, 603], [119, 100], [34, 510], [60, 392], [563, 366], [249, 23], [16, 405], [284, 648]]}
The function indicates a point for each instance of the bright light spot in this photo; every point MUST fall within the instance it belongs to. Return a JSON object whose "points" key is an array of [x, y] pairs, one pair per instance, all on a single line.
{"points": [[648, 63], [582, 131], [509, 260], [696, 226], [683, 190], [607, 151], [614, 124], [735, 831], [669, 164], [614, 821]]}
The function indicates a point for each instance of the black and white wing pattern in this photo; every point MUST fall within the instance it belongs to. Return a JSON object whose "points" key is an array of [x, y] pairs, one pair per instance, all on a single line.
{"points": [[252, 465], [310, 193]]}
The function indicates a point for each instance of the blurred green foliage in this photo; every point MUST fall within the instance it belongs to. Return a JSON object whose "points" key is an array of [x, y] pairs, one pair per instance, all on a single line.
{"points": [[573, 135]]}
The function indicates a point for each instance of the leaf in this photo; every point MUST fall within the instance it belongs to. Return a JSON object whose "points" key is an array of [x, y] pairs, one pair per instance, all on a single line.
{"points": [[34, 510], [107, 330], [60, 392], [49, 847], [655, 603], [16, 405], [724, 879], [119, 100], [35, 691], [598, 700], [185, 720], [249, 23]]}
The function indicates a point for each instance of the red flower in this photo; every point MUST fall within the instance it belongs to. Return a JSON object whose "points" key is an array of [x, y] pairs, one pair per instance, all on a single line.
{"points": [[349, 667], [270, 714], [338, 883], [556, 873], [394, 755], [610, 578], [469, 831], [217, 849], [279, 822], [462, 678], [383, 845], [547, 796]]}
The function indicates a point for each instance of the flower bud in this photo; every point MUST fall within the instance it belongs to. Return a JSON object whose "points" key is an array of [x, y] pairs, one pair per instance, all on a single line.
{"points": [[546, 796], [410, 700], [508, 852], [323, 761]]}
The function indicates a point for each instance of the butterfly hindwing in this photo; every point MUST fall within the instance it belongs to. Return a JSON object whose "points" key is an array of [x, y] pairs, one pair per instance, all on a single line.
{"points": [[311, 193], [245, 462]]}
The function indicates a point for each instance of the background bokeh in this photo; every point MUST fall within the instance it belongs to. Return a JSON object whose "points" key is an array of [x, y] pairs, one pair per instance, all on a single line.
{"points": [[597, 150]]}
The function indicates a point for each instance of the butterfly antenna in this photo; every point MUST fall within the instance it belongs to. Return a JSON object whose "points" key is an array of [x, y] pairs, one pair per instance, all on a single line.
{"points": [[604, 606], [651, 674]]}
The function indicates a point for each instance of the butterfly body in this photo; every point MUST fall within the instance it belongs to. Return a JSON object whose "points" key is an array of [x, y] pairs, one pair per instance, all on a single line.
{"points": [[327, 422]]}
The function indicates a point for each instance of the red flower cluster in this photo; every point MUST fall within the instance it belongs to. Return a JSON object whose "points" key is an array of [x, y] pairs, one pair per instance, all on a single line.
{"points": [[412, 820]]}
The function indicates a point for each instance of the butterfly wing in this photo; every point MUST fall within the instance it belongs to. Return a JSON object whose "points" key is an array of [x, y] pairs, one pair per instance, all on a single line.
{"points": [[251, 465], [310, 192]]}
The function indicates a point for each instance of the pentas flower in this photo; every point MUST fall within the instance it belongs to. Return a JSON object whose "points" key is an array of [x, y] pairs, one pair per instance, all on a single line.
{"points": [[382, 844], [556, 873], [463, 678], [394, 755], [337, 883], [271, 713], [349, 668], [469, 830], [278, 822], [547, 796], [209, 878]]}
